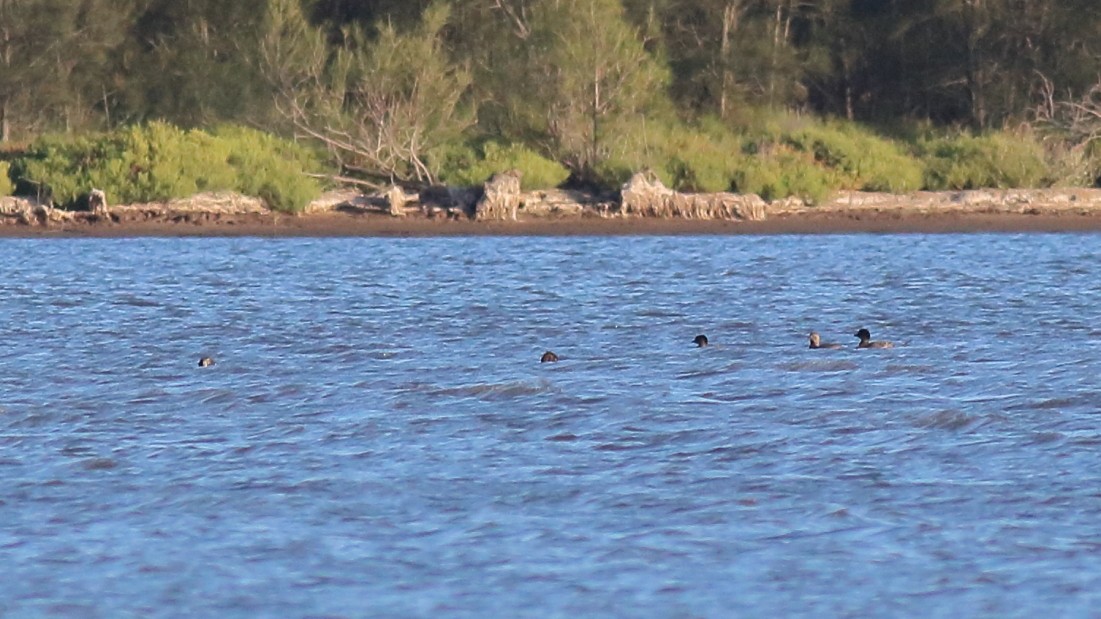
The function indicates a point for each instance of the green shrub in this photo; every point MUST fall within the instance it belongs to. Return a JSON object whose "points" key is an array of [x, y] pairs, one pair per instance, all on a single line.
{"points": [[471, 166], [158, 162], [1068, 166], [6, 186], [1093, 163], [782, 172], [711, 157], [703, 160], [52, 158], [863, 160], [612, 172], [777, 155], [138, 164], [995, 160], [633, 145], [168, 162], [697, 158], [765, 123], [271, 168]]}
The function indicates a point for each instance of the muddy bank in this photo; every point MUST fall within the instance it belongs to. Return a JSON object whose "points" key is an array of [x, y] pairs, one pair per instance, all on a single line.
{"points": [[643, 207]]}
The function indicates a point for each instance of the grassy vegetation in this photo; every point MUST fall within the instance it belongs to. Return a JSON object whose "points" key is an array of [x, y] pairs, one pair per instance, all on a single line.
{"points": [[704, 158], [469, 165], [1069, 166], [781, 172], [6, 186], [857, 158], [771, 154], [778, 155], [158, 162], [996, 160]]}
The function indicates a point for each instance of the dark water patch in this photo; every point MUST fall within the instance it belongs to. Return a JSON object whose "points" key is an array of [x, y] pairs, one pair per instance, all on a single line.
{"points": [[212, 396], [919, 370], [493, 391], [818, 366], [951, 420], [1041, 438], [1053, 403], [1085, 441], [725, 370], [136, 301], [99, 464]]}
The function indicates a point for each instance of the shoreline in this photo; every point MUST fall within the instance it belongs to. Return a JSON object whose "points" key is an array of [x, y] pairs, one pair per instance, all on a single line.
{"points": [[334, 224], [644, 207]]}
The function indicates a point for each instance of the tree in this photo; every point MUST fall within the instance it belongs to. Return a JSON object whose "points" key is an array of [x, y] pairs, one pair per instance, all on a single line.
{"points": [[702, 40], [20, 54], [194, 62], [337, 14], [836, 55], [382, 107], [55, 60], [577, 73]]}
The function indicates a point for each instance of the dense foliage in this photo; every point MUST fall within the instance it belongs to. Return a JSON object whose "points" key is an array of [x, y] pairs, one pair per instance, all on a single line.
{"points": [[773, 96], [473, 165], [158, 162], [6, 186]]}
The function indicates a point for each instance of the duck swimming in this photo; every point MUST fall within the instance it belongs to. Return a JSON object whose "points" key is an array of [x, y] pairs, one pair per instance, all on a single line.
{"points": [[548, 357], [700, 340], [816, 342], [205, 362], [867, 342]]}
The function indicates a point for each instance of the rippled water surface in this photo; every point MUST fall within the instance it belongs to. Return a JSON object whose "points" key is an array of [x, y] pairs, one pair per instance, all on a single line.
{"points": [[378, 438]]}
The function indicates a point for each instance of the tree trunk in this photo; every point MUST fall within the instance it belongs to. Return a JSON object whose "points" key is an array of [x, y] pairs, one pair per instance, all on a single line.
{"points": [[775, 53], [593, 145], [781, 34], [731, 16], [5, 124], [5, 62], [724, 56], [976, 83]]}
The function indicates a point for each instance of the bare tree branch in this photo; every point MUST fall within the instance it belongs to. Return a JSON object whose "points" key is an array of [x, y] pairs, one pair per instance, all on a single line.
{"points": [[378, 107], [1077, 121], [519, 18]]}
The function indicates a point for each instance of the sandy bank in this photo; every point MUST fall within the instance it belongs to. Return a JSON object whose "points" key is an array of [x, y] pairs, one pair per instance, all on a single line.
{"points": [[566, 214]]}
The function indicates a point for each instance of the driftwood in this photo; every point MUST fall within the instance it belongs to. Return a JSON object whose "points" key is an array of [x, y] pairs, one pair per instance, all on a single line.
{"points": [[32, 213], [548, 203], [97, 202], [646, 196], [448, 201], [501, 198], [1078, 200], [397, 199]]}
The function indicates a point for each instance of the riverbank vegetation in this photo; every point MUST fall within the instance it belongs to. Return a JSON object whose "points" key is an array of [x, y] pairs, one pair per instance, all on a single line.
{"points": [[148, 99], [159, 162]]}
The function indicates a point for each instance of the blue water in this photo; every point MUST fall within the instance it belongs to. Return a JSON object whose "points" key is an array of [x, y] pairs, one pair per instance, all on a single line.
{"points": [[378, 438]]}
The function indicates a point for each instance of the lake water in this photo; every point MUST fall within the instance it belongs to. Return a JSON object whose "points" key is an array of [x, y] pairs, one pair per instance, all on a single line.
{"points": [[379, 439]]}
